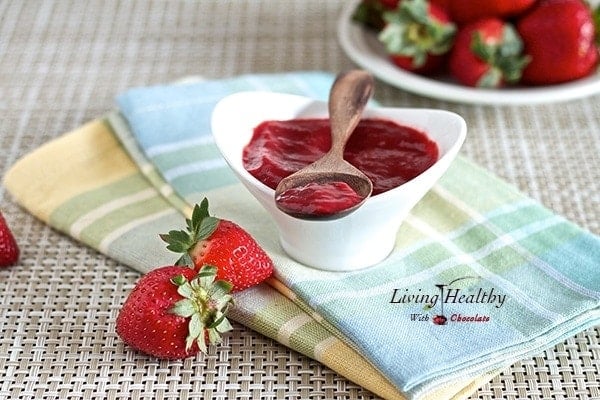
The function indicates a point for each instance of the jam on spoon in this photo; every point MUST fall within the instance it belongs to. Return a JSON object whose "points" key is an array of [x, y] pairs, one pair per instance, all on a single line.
{"points": [[319, 199], [347, 99]]}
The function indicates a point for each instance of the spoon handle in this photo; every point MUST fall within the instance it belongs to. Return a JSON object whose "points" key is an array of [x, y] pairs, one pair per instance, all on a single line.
{"points": [[348, 96]]}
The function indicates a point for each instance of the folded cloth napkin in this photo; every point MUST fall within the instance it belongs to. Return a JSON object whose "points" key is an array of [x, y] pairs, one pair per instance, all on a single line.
{"points": [[100, 197], [527, 278], [511, 277]]}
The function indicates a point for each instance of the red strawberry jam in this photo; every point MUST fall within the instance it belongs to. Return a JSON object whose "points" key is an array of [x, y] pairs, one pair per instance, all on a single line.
{"points": [[388, 153], [319, 199]]}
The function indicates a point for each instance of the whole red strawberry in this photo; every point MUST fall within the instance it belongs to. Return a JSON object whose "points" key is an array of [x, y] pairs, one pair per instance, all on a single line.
{"points": [[558, 35], [487, 53], [173, 312], [224, 244], [417, 35], [9, 250], [463, 11]]}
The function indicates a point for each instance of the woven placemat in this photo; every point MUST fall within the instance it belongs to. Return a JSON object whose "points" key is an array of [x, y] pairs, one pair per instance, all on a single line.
{"points": [[62, 63]]}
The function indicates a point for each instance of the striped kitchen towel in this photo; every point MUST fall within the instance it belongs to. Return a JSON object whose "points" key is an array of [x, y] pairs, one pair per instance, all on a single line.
{"points": [[481, 275], [100, 197], [509, 277]]}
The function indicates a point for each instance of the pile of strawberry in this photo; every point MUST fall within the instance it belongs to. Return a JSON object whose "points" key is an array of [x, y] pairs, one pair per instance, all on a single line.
{"points": [[488, 43], [176, 311]]}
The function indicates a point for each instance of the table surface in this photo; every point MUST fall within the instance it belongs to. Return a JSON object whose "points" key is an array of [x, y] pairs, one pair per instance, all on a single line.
{"points": [[63, 62]]}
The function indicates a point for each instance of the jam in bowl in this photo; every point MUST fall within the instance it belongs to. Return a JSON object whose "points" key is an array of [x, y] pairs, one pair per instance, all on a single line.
{"points": [[266, 136]]}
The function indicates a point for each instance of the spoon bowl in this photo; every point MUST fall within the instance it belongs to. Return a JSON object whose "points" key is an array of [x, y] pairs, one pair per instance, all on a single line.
{"points": [[349, 95], [359, 185]]}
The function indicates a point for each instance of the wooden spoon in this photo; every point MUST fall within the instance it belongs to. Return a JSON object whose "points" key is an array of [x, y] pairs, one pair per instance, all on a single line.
{"points": [[347, 99]]}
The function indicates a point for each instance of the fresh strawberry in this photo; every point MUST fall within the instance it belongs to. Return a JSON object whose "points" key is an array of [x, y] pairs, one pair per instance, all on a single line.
{"points": [[559, 37], [172, 312], [463, 11], [417, 35], [209, 240], [9, 250], [487, 53]]}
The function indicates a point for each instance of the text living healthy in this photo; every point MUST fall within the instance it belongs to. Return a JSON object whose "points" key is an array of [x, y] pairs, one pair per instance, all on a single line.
{"points": [[455, 296]]}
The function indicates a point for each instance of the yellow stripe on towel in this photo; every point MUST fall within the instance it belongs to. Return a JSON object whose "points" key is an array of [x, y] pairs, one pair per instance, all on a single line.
{"points": [[63, 181]]}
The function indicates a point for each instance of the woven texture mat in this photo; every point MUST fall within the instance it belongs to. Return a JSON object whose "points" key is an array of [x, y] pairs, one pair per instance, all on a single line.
{"points": [[62, 63]]}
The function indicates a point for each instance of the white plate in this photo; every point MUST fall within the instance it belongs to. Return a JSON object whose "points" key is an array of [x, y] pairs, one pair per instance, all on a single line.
{"points": [[362, 46]]}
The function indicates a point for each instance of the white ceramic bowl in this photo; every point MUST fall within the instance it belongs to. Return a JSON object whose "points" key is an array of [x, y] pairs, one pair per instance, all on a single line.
{"points": [[364, 237]]}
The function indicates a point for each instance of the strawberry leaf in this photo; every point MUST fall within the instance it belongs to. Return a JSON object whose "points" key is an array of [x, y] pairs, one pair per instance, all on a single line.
{"points": [[207, 227], [368, 13], [206, 279], [417, 11], [224, 326], [505, 58], [199, 214], [202, 209], [196, 287], [195, 333], [185, 260], [185, 290], [213, 336], [491, 79], [178, 280], [177, 241], [207, 271], [205, 302], [596, 17], [199, 227], [223, 303], [220, 288], [184, 308]]}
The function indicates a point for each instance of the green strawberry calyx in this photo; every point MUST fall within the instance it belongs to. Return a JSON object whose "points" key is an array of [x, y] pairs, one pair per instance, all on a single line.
{"points": [[199, 227], [505, 58], [369, 14], [596, 18], [411, 32], [205, 302]]}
